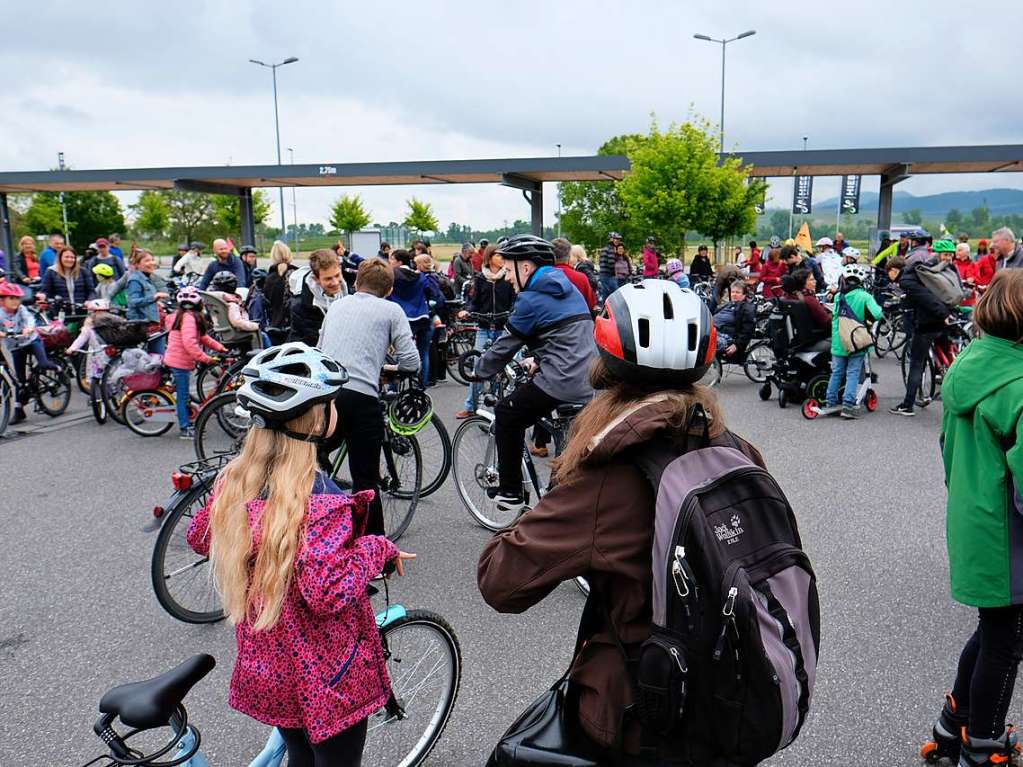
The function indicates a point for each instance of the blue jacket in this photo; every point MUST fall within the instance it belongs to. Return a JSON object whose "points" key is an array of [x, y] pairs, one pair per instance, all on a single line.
{"points": [[47, 259], [411, 292], [550, 317], [234, 264], [55, 286], [141, 293]]}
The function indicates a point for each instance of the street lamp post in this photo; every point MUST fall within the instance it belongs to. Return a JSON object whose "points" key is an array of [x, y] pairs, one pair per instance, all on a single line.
{"points": [[277, 124], [294, 203], [723, 43], [559, 196]]}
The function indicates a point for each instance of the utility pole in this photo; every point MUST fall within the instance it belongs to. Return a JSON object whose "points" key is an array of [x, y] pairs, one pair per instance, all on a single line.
{"points": [[63, 207], [294, 203], [559, 196], [277, 127]]}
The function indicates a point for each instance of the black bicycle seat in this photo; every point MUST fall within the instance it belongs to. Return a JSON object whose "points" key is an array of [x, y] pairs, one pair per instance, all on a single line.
{"points": [[569, 410], [150, 703]]}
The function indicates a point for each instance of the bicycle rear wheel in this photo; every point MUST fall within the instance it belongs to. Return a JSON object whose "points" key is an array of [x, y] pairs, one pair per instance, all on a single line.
{"points": [[475, 466], [459, 343], [435, 446], [6, 401], [113, 392], [424, 662], [182, 579], [220, 428], [150, 412], [99, 407], [53, 389]]}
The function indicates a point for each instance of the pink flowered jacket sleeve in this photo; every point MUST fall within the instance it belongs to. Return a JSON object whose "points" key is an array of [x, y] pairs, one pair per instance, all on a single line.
{"points": [[336, 564], [198, 535]]}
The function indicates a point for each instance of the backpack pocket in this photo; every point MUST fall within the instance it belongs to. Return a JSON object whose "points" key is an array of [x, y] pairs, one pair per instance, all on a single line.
{"points": [[661, 679]]}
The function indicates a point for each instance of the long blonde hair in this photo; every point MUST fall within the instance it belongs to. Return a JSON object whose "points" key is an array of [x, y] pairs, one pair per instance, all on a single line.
{"points": [[616, 399], [280, 253], [253, 581]]}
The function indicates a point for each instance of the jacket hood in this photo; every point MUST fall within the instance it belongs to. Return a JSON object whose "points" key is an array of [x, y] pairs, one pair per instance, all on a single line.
{"points": [[405, 274], [550, 281], [984, 367], [637, 425]]}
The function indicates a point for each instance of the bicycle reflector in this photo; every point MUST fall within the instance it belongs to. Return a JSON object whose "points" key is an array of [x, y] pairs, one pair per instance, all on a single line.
{"points": [[158, 511], [181, 481], [410, 412]]}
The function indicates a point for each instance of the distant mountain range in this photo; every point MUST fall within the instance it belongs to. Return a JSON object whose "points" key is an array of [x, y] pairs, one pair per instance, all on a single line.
{"points": [[998, 201]]}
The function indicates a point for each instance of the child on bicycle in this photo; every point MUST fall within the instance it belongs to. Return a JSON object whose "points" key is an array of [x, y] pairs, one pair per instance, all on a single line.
{"points": [[845, 366], [982, 448], [358, 331], [89, 338], [185, 342], [18, 332], [292, 564], [552, 318]]}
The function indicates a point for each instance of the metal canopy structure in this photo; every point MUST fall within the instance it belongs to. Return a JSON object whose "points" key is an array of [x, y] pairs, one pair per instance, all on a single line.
{"points": [[527, 174]]}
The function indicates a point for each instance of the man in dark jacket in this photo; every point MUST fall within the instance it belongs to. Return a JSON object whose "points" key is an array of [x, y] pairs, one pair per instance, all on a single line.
{"points": [[930, 316], [225, 261], [606, 266], [321, 286], [700, 269], [1008, 252]]}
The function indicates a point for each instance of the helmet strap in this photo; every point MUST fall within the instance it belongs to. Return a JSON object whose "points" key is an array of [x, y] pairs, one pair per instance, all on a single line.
{"points": [[320, 439]]}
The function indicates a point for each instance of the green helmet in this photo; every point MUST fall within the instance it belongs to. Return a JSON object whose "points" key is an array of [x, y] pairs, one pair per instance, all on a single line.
{"points": [[410, 411], [944, 245]]}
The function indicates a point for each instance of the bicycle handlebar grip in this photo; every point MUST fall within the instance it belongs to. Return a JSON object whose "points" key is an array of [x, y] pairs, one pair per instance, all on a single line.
{"points": [[467, 364]]}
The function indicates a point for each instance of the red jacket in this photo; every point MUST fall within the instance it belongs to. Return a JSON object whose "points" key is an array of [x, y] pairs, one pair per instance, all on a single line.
{"points": [[650, 263], [968, 271], [581, 284], [771, 274], [985, 270]]}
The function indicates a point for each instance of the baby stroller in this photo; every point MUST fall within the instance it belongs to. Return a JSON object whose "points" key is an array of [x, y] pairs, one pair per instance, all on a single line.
{"points": [[802, 352]]}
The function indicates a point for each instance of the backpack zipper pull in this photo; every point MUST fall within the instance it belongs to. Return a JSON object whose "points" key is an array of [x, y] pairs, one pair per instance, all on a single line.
{"points": [[729, 609], [673, 652]]}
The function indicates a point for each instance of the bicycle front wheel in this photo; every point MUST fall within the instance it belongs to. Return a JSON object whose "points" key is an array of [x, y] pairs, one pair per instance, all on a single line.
{"points": [[435, 446], [424, 662], [113, 392], [6, 400], [182, 579], [459, 343], [220, 428], [53, 390], [150, 412], [475, 466]]}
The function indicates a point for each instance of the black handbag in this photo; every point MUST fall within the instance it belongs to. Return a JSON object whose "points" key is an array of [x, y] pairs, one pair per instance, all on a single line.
{"points": [[547, 733]]}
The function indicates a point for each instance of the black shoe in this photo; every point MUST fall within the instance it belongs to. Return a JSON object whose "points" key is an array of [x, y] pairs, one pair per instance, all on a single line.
{"points": [[849, 413], [902, 410]]}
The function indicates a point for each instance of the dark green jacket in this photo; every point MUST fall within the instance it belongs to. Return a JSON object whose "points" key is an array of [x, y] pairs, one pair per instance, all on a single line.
{"points": [[982, 435]]}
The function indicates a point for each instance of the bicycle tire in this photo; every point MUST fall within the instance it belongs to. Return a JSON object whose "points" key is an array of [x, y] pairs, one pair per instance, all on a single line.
{"points": [[458, 344], [135, 410], [474, 465], [398, 505], [759, 362], [206, 380], [82, 379], [881, 333], [429, 447], [96, 402], [113, 393], [197, 573], [6, 401], [56, 384], [216, 432], [386, 731]]}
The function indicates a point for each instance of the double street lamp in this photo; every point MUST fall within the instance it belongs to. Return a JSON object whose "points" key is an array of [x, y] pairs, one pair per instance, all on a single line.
{"points": [[277, 124], [724, 42]]}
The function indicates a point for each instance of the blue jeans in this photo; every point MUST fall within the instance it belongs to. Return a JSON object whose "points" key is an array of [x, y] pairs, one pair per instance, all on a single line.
{"points": [[422, 330], [482, 336], [848, 368], [182, 386], [608, 285]]}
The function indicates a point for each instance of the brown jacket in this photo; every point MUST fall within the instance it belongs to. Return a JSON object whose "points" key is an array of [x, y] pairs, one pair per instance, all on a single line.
{"points": [[599, 525]]}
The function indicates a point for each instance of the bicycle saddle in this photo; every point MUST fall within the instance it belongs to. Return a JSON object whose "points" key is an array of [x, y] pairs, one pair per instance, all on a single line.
{"points": [[150, 703], [567, 410]]}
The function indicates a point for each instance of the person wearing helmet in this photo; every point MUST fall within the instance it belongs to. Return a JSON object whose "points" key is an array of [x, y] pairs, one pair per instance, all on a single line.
{"points": [[920, 251], [187, 335], [88, 337], [104, 255], [19, 336], [249, 256], [597, 519], [850, 255], [676, 272], [551, 317], [830, 263], [224, 286], [103, 274], [944, 249], [182, 250], [190, 265], [651, 258], [358, 331], [852, 298], [606, 265], [293, 571]]}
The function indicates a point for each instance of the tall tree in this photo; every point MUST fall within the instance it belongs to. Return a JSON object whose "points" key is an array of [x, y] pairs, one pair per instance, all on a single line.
{"points": [[913, 217], [227, 212], [43, 215], [348, 214], [190, 214], [420, 217], [151, 215], [90, 215]]}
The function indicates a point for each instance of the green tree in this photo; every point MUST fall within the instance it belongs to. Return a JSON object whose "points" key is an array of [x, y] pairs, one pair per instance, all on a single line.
{"points": [[677, 185], [591, 209], [43, 215], [779, 223], [980, 219], [227, 211], [152, 218], [348, 214], [420, 217], [190, 214], [913, 217], [90, 215], [954, 220]]}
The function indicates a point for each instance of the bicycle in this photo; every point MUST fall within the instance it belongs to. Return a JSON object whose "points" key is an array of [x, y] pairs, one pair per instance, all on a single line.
{"points": [[940, 356], [8, 388], [132, 336], [49, 389], [424, 663], [889, 333]]}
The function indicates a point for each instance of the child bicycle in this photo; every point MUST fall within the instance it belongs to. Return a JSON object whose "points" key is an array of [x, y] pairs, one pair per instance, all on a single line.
{"points": [[817, 393], [424, 663]]}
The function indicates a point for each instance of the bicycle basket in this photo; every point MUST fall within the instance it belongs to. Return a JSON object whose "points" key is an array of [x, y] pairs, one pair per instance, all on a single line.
{"points": [[140, 381], [410, 411], [55, 336], [117, 331]]}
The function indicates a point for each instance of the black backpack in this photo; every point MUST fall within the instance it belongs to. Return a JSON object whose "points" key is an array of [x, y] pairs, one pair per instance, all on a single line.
{"points": [[732, 659]]}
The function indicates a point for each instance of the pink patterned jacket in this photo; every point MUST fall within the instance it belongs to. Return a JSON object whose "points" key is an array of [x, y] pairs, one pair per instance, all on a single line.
{"points": [[321, 668]]}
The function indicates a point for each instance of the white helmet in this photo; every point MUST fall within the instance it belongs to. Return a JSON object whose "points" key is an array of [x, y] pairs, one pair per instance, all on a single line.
{"points": [[285, 381], [851, 252], [98, 305], [657, 333], [859, 272]]}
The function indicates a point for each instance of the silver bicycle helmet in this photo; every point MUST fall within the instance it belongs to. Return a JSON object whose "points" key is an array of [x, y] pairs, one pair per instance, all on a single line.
{"points": [[283, 382]]}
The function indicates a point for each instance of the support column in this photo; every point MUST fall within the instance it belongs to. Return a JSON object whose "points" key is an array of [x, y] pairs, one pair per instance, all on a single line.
{"points": [[535, 198], [248, 222], [891, 176], [6, 237]]}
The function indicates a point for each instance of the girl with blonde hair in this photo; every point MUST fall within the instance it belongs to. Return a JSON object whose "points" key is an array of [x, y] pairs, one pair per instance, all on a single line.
{"points": [[292, 564], [275, 289]]}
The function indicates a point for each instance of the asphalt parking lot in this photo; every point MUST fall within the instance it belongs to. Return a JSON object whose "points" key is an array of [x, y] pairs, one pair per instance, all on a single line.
{"points": [[77, 612]]}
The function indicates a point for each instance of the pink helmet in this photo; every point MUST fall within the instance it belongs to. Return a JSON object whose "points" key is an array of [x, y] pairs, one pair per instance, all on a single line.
{"points": [[9, 289], [674, 266], [188, 298]]}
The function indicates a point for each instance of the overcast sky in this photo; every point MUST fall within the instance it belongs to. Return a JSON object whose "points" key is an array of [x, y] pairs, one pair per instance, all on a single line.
{"points": [[129, 84]]}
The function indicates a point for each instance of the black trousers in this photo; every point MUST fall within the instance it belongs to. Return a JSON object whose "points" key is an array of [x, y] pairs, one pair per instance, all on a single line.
{"points": [[360, 425], [919, 350], [987, 670], [516, 413], [343, 750]]}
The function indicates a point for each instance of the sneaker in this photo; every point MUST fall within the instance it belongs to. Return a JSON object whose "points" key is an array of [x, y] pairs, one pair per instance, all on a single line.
{"points": [[849, 413], [510, 504], [188, 433], [830, 410], [461, 415], [902, 410]]}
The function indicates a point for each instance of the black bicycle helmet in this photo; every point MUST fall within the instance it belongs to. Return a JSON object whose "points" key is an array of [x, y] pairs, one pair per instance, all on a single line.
{"points": [[410, 411], [225, 281], [614, 236], [258, 278], [484, 242], [527, 247], [247, 249], [196, 245]]}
